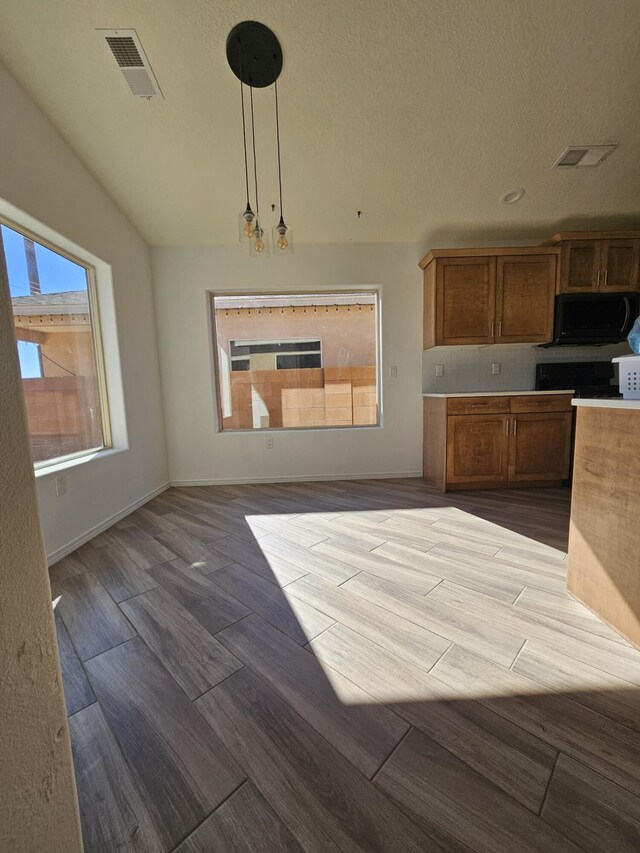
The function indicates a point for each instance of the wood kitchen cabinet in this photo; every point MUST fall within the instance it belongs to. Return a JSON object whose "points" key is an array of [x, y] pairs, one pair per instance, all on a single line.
{"points": [[488, 296], [539, 446], [506, 295], [476, 449], [497, 441], [465, 300], [599, 262], [525, 291]]}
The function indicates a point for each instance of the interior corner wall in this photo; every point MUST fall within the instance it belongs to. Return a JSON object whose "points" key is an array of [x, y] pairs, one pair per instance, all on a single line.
{"points": [[197, 452], [38, 804], [42, 177]]}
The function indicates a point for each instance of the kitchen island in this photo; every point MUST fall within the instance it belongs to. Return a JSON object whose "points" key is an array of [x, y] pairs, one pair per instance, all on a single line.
{"points": [[604, 535]]}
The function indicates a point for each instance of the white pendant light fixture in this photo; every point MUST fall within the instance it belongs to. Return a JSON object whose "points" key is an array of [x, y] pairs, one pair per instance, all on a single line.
{"points": [[255, 57]]}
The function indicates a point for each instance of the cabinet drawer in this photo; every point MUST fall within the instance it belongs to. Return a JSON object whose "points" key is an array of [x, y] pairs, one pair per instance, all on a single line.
{"points": [[548, 403], [478, 405]]}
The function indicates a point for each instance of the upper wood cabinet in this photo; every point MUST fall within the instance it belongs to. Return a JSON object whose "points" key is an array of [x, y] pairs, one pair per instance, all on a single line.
{"points": [[525, 290], [597, 265], [502, 296], [488, 298], [579, 266], [619, 264], [465, 300]]}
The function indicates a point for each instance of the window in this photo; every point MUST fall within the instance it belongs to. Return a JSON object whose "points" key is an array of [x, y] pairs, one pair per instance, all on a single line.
{"points": [[280, 355], [295, 361], [58, 348], [30, 357]]}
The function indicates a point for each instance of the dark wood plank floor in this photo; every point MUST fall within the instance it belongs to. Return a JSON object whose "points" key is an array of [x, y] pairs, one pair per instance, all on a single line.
{"points": [[348, 666]]}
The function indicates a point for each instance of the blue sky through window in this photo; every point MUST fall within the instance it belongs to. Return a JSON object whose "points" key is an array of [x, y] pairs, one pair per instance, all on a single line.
{"points": [[57, 274], [30, 363]]}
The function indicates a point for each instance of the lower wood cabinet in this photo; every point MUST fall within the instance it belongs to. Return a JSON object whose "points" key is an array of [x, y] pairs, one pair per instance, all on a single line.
{"points": [[539, 447], [477, 449], [482, 442]]}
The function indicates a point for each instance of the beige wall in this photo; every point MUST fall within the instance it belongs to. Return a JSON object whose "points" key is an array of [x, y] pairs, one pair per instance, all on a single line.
{"points": [[348, 333], [198, 452], [46, 189], [38, 807]]}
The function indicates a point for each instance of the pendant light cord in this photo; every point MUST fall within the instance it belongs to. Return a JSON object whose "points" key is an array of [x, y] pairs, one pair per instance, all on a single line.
{"points": [[244, 127], [255, 166], [244, 140], [278, 141]]}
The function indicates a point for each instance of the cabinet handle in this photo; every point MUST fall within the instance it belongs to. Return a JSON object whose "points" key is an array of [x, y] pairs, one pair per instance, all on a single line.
{"points": [[499, 328], [604, 283], [492, 324], [506, 425], [598, 281], [515, 426]]}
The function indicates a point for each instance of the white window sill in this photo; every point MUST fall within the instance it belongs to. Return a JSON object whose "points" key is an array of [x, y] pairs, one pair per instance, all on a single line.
{"points": [[266, 430], [66, 464]]}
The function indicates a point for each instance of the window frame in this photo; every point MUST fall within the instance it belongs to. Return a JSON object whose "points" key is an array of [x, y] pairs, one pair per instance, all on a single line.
{"points": [[96, 338], [373, 289]]}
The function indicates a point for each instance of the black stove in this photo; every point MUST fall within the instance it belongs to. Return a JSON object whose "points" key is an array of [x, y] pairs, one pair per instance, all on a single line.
{"points": [[589, 379]]}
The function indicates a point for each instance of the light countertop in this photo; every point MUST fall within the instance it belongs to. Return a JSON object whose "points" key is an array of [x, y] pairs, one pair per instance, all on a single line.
{"points": [[607, 403], [502, 394]]}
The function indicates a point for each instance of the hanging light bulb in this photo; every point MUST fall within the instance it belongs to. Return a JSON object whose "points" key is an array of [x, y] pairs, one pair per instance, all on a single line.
{"points": [[282, 237], [245, 219], [245, 223], [259, 246]]}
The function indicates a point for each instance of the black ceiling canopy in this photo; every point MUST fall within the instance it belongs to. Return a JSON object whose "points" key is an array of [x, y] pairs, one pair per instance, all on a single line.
{"points": [[254, 54]]}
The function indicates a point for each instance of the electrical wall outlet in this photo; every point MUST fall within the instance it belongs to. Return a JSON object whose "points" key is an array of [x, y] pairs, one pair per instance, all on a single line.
{"points": [[61, 485], [393, 371], [439, 369], [270, 443], [495, 368]]}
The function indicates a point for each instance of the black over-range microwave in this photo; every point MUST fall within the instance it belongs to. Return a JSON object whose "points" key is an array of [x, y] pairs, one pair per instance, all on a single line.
{"points": [[594, 318]]}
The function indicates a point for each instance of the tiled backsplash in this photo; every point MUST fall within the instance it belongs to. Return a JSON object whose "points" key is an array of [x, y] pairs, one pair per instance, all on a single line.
{"points": [[468, 368]]}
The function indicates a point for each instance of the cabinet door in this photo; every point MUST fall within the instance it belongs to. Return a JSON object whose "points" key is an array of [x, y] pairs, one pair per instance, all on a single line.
{"points": [[579, 266], [619, 264], [540, 446], [525, 292], [465, 300], [477, 448]]}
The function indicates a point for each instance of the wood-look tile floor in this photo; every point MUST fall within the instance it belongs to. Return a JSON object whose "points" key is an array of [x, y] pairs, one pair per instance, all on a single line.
{"points": [[348, 666]]}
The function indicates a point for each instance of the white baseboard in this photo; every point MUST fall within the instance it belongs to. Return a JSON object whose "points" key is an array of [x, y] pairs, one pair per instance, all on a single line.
{"points": [[238, 481], [305, 478], [99, 528]]}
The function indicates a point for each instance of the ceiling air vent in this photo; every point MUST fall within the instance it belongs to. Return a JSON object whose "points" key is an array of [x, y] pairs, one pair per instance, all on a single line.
{"points": [[124, 46], [579, 156]]}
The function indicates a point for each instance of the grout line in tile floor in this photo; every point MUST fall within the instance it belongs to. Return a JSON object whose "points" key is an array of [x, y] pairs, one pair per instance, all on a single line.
{"points": [[513, 662]]}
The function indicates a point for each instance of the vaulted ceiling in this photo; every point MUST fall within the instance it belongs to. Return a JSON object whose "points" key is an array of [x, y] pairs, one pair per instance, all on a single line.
{"points": [[419, 114]]}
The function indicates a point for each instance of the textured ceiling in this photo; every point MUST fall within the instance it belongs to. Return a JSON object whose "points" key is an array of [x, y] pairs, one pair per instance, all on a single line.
{"points": [[420, 114]]}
